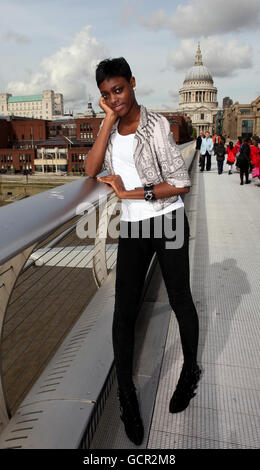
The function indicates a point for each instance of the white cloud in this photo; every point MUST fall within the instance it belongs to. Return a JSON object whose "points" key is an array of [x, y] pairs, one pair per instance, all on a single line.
{"points": [[71, 70], [199, 17], [222, 58]]}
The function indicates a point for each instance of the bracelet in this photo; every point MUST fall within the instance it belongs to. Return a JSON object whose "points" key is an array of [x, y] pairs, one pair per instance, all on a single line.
{"points": [[149, 192]]}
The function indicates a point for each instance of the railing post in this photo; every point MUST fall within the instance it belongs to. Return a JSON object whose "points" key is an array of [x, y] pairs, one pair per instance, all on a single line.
{"points": [[9, 273], [99, 258]]}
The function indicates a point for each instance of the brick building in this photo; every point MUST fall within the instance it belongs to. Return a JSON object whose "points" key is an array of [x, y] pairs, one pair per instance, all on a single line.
{"points": [[60, 146]]}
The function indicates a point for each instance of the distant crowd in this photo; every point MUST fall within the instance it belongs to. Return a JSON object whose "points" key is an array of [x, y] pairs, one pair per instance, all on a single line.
{"points": [[244, 155]]}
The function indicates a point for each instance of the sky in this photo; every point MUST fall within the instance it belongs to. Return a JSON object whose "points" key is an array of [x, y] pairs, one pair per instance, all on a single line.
{"points": [[57, 44]]}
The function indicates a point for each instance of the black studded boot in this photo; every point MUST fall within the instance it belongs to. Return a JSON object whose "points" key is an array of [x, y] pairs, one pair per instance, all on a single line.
{"points": [[185, 389], [130, 415]]}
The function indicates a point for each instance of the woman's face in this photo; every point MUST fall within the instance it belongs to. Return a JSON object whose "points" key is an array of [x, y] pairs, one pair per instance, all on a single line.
{"points": [[118, 94]]}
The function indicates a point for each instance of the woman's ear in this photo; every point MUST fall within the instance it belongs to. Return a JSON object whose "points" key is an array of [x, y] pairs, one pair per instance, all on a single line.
{"points": [[132, 82]]}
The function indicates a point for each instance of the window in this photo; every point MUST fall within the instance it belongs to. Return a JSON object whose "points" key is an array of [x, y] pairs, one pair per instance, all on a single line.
{"points": [[202, 116], [247, 128]]}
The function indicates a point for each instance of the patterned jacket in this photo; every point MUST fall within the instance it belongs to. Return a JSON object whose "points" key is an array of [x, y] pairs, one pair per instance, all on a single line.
{"points": [[157, 157]]}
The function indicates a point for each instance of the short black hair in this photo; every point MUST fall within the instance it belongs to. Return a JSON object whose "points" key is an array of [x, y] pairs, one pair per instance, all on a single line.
{"points": [[109, 68]]}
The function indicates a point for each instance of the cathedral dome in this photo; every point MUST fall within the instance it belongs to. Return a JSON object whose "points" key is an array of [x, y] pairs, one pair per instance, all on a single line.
{"points": [[198, 71]]}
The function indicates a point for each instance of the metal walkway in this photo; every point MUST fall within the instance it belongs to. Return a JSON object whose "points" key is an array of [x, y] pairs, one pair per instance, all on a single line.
{"points": [[224, 258]]}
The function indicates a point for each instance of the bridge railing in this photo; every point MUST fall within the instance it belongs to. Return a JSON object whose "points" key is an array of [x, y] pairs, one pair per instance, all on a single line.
{"points": [[56, 251]]}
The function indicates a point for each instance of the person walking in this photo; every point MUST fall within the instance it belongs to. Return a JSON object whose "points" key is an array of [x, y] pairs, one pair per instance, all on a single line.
{"points": [[147, 172], [206, 152], [216, 141], [198, 145], [220, 152], [243, 161], [255, 151], [231, 156]]}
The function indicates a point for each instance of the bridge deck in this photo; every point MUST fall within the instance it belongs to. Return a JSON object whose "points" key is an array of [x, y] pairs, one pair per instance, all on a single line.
{"points": [[224, 257]]}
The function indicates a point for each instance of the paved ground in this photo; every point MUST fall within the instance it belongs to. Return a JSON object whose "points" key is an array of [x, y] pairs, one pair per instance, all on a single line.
{"points": [[224, 256]]}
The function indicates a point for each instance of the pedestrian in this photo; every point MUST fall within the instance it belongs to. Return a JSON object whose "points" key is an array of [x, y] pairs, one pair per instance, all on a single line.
{"points": [[206, 152], [256, 158], [243, 161], [148, 174], [254, 150], [237, 148], [216, 141], [198, 145], [220, 152], [231, 156]]}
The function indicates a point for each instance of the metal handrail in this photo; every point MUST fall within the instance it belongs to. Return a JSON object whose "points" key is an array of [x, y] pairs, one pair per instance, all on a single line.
{"points": [[30, 220]]}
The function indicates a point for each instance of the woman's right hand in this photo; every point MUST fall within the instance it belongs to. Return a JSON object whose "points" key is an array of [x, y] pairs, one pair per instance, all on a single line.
{"points": [[112, 115]]}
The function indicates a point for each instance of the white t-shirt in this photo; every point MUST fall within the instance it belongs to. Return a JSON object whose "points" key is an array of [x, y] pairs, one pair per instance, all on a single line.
{"points": [[123, 164]]}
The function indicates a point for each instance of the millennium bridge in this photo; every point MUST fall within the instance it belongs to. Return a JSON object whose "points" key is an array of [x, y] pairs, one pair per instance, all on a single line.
{"points": [[58, 387]]}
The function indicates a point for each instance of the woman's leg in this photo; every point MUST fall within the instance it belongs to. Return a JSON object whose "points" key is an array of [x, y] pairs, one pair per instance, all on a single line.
{"points": [[175, 270], [133, 259]]}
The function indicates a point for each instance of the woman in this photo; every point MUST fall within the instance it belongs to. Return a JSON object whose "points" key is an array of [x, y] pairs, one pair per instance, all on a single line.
{"points": [[231, 156], [243, 161], [147, 172]]}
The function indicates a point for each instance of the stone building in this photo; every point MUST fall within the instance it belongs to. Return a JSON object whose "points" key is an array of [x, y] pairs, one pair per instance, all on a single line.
{"points": [[198, 96], [242, 119], [47, 105]]}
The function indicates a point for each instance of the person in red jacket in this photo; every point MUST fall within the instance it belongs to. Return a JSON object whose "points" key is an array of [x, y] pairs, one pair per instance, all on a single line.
{"points": [[231, 156], [256, 156], [254, 151]]}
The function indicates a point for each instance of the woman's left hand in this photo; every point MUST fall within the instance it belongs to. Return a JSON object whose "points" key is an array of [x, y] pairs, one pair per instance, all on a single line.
{"points": [[116, 182]]}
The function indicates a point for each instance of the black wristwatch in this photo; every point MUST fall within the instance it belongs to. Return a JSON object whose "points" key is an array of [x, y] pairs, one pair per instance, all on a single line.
{"points": [[149, 192]]}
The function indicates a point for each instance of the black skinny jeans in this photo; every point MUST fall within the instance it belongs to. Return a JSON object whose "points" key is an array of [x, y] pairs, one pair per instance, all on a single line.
{"points": [[133, 259], [208, 163]]}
